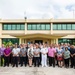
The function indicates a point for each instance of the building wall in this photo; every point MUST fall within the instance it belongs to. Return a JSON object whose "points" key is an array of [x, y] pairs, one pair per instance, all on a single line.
{"points": [[51, 36]]}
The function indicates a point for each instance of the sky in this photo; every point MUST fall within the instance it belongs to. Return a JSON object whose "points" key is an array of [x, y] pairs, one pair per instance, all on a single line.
{"points": [[37, 9]]}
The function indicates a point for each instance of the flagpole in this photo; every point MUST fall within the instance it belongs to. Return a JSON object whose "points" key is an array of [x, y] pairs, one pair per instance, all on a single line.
{"points": [[25, 17], [73, 13]]}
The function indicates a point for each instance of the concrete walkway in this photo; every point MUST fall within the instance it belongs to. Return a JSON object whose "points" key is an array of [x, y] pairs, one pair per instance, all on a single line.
{"points": [[36, 71]]}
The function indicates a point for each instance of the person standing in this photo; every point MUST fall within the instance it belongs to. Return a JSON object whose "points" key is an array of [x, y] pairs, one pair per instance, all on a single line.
{"points": [[44, 52], [66, 57], [7, 53], [15, 54], [59, 54], [36, 56], [22, 55], [72, 51], [30, 55], [51, 54], [40, 46], [74, 58], [27, 47], [2, 53]]}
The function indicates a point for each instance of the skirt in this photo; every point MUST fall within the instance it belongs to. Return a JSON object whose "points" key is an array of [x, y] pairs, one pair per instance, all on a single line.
{"points": [[60, 58]]}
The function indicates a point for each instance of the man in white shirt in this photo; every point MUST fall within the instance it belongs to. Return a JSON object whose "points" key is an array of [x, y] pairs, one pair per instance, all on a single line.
{"points": [[15, 53], [44, 52]]}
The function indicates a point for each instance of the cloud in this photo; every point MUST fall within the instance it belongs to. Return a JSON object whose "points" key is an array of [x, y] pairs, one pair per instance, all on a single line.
{"points": [[37, 8]]}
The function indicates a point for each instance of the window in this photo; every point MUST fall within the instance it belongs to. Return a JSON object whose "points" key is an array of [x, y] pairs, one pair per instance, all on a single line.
{"points": [[64, 27], [9, 27], [59, 27], [38, 26], [48, 27], [69, 27], [71, 41], [34, 27], [29, 26], [73, 26], [22, 27], [54, 26], [18, 27], [13, 26], [43, 27], [5, 27], [13, 40]]}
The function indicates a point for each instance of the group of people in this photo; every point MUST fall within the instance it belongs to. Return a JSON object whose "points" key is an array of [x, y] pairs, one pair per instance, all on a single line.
{"points": [[38, 55]]}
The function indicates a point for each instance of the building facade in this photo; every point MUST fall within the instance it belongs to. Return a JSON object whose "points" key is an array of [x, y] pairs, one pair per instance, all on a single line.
{"points": [[37, 31]]}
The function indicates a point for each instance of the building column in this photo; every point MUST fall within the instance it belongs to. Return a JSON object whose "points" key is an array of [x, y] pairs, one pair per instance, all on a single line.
{"points": [[25, 28], [20, 40], [49, 41], [52, 41], [51, 28], [56, 40], [0, 42], [25, 41]]}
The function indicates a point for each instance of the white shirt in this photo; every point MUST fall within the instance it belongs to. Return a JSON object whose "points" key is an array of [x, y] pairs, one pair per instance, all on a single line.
{"points": [[16, 51], [44, 50]]}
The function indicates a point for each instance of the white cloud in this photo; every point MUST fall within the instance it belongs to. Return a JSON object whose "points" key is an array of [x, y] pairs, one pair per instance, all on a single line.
{"points": [[37, 8]]}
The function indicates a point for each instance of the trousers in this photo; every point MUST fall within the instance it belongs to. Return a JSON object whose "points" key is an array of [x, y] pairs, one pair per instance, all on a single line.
{"points": [[15, 61], [23, 59], [44, 60], [6, 60], [2, 57], [36, 61], [51, 61]]}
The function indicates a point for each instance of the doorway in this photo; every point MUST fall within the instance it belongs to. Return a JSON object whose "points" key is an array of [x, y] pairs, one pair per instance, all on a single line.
{"points": [[39, 41]]}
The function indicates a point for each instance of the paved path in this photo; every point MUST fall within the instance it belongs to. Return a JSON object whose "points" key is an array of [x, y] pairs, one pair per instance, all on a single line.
{"points": [[36, 71]]}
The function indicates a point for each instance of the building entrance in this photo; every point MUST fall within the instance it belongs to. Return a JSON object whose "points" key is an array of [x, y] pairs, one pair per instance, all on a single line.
{"points": [[38, 41]]}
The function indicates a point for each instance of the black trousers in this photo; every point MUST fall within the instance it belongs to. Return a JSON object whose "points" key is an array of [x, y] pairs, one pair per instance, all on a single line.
{"points": [[11, 58], [26, 58], [72, 61], [40, 59], [66, 62], [15, 61], [6, 60], [23, 59], [2, 57], [51, 61], [36, 61]]}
